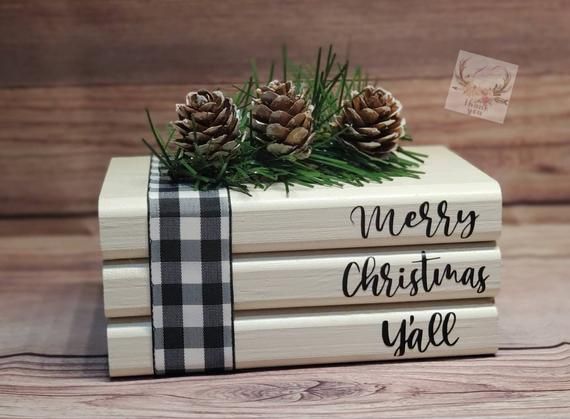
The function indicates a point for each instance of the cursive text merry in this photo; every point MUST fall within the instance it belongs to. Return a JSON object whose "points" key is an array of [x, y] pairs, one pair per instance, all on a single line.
{"points": [[440, 223]]}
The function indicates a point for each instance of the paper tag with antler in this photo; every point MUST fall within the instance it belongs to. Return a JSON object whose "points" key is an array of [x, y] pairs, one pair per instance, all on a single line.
{"points": [[481, 87]]}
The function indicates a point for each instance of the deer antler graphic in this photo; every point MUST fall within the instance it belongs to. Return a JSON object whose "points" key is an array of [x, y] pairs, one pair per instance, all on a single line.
{"points": [[459, 73], [501, 88]]}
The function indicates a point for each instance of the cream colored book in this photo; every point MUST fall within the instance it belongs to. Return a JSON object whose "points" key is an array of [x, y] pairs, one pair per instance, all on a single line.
{"points": [[327, 278], [270, 338], [453, 202]]}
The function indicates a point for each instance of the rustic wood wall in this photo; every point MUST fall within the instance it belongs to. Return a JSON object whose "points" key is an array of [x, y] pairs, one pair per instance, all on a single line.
{"points": [[75, 77]]}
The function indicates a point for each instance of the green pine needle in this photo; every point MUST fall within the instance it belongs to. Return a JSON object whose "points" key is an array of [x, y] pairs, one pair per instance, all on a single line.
{"points": [[327, 85]]}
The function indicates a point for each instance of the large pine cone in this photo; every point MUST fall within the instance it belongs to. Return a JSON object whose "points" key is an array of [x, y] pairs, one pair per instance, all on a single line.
{"points": [[282, 119], [372, 122], [208, 125]]}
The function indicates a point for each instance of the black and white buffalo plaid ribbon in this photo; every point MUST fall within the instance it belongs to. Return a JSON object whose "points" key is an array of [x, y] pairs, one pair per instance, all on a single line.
{"points": [[191, 276]]}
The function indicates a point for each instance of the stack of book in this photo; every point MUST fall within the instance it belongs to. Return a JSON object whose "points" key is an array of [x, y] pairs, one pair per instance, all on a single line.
{"points": [[403, 269]]}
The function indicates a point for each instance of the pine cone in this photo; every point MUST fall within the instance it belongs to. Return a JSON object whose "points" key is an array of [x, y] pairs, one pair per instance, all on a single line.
{"points": [[282, 119], [372, 122], [208, 125]]}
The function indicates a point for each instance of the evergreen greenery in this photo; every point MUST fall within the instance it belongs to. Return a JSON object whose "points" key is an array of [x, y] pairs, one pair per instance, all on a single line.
{"points": [[327, 84]]}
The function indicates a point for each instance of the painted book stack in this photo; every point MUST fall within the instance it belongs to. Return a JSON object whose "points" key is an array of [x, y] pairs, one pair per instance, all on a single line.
{"points": [[404, 269]]}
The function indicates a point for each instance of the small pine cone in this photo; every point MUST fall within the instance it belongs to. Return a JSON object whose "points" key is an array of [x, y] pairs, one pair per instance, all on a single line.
{"points": [[372, 122], [282, 119], [208, 125]]}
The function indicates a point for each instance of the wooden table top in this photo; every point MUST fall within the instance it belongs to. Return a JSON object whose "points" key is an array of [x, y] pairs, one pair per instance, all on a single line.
{"points": [[76, 80], [53, 350]]}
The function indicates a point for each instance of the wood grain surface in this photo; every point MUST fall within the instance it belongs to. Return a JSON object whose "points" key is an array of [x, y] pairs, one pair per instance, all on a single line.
{"points": [[149, 41], [62, 263], [531, 383], [76, 131], [75, 77], [53, 353], [75, 82]]}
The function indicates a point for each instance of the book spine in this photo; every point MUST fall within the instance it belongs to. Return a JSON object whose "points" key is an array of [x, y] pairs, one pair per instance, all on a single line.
{"points": [[433, 210], [330, 335], [369, 217], [330, 278]]}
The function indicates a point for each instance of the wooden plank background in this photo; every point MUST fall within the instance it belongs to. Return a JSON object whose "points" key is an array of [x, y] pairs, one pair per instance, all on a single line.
{"points": [[76, 76]]}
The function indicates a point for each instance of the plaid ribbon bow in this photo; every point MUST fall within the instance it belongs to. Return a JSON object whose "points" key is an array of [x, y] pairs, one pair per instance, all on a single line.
{"points": [[191, 276]]}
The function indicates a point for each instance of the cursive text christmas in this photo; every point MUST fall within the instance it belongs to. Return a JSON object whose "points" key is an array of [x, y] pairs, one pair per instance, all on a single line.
{"points": [[367, 277]]}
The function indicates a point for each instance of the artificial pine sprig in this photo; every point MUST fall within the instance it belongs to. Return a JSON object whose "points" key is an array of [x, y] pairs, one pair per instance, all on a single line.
{"points": [[325, 89]]}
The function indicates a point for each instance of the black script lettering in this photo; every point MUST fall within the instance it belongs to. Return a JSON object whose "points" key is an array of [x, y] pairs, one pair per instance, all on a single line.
{"points": [[441, 223], [346, 277], [375, 218], [415, 338], [467, 277], [470, 218], [366, 277], [482, 280], [423, 279]]}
